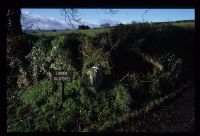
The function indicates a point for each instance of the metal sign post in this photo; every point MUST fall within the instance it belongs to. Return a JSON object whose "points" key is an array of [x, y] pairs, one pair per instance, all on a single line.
{"points": [[63, 76]]}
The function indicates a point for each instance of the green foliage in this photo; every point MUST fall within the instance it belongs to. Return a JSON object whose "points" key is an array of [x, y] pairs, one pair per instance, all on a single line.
{"points": [[17, 47], [55, 54], [122, 99], [37, 58], [94, 56], [42, 124], [36, 95], [19, 119], [22, 126], [59, 58], [73, 88], [106, 104], [131, 86]]}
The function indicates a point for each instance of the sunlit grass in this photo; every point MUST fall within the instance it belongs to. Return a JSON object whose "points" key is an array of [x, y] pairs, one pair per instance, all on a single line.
{"points": [[88, 32]]}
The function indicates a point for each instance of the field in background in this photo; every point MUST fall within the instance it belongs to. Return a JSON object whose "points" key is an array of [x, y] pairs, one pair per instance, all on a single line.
{"points": [[93, 32], [88, 32], [184, 24]]}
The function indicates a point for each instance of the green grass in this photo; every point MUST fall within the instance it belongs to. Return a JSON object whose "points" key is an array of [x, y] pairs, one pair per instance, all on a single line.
{"points": [[38, 107], [88, 32], [36, 95], [185, 24], [93, 32]]}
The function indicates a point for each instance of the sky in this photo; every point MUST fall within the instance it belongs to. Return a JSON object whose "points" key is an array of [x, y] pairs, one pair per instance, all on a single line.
{"points": [[48, 19]]}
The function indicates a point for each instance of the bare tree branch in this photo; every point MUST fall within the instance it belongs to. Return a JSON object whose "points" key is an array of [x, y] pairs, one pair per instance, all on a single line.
{"points": [[145, 12], [110, 11], [28, 24], [72, 16]]}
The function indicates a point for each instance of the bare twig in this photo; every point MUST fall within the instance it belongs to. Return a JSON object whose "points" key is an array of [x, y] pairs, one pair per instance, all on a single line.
{"points": [[71, 16], [28, 24], [145, 12]]}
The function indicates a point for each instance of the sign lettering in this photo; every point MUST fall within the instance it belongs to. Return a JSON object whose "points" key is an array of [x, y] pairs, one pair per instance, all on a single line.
{"points": [[62, 75]]}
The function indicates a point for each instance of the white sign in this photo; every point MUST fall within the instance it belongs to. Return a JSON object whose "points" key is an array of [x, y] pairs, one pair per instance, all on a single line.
{"points": [[60, 75]]}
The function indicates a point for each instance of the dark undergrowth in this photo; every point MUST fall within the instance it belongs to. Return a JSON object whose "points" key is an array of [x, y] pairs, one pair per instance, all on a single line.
{"points": [[143, 66]]}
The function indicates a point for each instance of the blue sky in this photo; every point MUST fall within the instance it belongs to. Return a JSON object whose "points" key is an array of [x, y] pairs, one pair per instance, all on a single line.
{"points": [[51, 18]]}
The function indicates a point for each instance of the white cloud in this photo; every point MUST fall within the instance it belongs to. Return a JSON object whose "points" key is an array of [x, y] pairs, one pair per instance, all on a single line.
{"points": [[45, 23], [111, 22]]}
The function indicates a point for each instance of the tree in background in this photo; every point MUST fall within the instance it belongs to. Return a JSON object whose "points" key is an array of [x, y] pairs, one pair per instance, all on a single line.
{"points": [[72, 16], [83, 27], [106, 25], [133, 22], [14, 15]]}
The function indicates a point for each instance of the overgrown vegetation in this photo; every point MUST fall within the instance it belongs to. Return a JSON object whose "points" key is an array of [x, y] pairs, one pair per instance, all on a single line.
{"points": [[142, 66]]}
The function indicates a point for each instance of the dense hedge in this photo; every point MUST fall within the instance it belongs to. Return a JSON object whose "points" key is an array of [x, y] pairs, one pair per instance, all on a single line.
{"points": [[141, 63]]}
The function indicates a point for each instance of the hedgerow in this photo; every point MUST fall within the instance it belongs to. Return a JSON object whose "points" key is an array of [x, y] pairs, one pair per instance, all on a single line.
{"points": [[138, 72]]}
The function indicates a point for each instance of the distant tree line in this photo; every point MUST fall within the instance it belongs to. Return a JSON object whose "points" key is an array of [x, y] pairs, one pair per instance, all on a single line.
{"points": [[106, 25], [184, 21], [83, 27]]}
